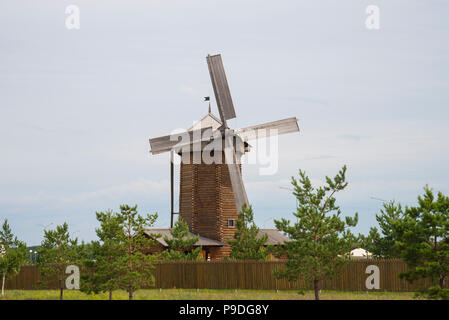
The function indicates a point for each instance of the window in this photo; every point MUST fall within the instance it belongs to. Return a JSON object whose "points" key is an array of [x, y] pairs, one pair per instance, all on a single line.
{"points": [[231, 223]]}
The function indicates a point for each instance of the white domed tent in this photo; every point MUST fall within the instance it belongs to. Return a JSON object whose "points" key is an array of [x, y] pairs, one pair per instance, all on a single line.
{"points": [[360, 253]]}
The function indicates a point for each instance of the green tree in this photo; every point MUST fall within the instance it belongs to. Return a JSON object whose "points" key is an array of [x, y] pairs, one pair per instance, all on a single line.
{"points": [[247, 244], [56, 253], [320, 239], [181, 246], [423, 241], [102, 263], [136, 245], [13, 254], [121, 258], [383, 244]]}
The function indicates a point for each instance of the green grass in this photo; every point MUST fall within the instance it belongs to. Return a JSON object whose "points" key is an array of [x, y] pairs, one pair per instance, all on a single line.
{"points": [[205, 294]]}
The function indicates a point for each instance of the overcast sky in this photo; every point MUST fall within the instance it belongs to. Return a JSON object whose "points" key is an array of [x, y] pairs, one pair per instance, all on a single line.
{"points": [[77, 107]]}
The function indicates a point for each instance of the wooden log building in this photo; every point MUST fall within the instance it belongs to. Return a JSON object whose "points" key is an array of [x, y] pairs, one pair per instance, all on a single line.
{"points": [[207, 203]]}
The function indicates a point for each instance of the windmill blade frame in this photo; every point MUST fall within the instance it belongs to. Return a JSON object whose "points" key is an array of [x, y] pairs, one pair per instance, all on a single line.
{"points": [[166, 143], [235, 174], [221, 88], [268, 129]]}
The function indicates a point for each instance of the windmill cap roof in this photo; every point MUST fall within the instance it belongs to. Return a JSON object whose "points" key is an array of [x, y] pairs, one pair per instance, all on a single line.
{"points": [[209, 120]]}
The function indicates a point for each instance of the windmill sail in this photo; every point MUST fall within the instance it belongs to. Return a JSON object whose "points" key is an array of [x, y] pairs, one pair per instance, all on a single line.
{"points": [[167, 143], [221, 88], [269, 129], [235, 174]]}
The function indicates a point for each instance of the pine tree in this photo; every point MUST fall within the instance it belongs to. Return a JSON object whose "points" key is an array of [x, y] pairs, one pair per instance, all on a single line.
{"points": [[320, 239], [383, 244], [103, 269], [423, 240], [13, 254], [58, 251], [181, 247], [246, 244], [121, 258], [135, 244]]}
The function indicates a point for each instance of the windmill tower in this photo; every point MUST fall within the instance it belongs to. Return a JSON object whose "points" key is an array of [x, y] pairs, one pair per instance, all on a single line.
{"points": [[212, 192]]}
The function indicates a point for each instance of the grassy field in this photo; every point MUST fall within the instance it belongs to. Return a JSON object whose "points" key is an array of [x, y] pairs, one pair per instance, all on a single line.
{"points": [[203, 294]]}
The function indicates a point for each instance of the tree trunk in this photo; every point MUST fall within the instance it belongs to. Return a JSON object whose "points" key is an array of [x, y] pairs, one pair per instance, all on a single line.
{"points": [[61, 289], [317, 290], [110, 294], [441, 282], [3, 284], [130, 290]]}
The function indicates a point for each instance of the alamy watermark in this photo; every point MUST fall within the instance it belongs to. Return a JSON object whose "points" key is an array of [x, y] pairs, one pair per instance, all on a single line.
{"points": [[226, 146], [372, 21], [373, 280], [72, 282], [72, 20]]}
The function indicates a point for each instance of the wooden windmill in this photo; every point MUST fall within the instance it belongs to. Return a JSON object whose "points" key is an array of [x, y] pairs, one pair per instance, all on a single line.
{"points": [[212, 194]]}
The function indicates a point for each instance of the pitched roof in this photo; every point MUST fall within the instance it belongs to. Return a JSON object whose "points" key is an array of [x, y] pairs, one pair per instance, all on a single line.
{"points": [[209, 120], [203, 241], [274, 236]]}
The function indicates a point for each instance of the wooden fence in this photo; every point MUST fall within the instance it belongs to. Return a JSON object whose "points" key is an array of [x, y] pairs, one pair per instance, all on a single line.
{"points": [[249, 275]]}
